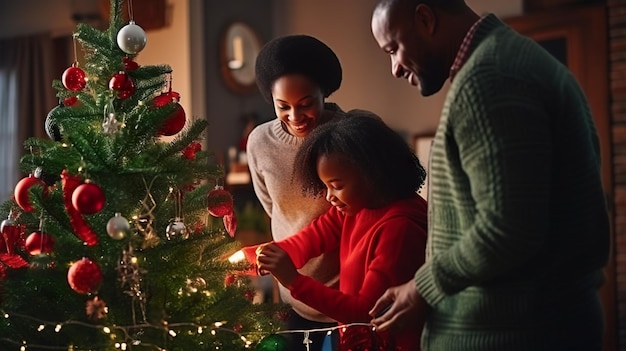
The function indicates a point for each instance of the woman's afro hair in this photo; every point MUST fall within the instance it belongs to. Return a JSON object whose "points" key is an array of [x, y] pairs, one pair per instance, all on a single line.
{"points": [[297, 54]]}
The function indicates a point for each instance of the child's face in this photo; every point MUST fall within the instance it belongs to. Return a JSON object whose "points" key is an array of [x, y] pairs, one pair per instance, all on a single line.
{"points": [[346, 187], [298, 103]]}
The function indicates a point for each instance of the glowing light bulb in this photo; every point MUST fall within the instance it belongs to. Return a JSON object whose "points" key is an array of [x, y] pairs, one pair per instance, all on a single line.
{"points": [[237, 257]]}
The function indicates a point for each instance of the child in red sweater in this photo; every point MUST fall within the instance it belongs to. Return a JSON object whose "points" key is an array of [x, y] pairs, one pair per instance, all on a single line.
{"points": [[377, 220]]}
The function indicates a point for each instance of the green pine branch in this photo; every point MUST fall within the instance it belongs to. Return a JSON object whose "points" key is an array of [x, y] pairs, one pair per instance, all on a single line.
{"points": [[151, 182]]}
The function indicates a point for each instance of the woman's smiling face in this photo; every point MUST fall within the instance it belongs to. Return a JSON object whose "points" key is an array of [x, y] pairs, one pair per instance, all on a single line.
{"points": [[298, 103]]}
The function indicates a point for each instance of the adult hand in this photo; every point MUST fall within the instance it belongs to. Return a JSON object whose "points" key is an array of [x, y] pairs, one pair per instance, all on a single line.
{"points": [[400, 307], [272, 259]]}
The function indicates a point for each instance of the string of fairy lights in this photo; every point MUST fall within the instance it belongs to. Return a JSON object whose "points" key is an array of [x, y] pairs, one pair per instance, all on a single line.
{"points": [[170, 329]]}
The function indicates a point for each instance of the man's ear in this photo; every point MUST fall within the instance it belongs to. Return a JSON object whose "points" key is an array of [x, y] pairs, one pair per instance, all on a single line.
{"points": [[425, 18]]}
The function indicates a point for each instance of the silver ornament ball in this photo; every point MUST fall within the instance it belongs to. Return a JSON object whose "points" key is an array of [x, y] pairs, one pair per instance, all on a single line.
{"points": [[196, 284], [118, 227], [131, 38], [176, 230]]}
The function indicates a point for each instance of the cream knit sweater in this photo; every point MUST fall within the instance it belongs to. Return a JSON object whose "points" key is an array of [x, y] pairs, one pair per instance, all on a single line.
{"points": [[271, 152]]}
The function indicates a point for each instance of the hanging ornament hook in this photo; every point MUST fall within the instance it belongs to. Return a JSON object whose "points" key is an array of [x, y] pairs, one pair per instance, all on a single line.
{"points": [[169, 82], [75, 64], [130, 11]]}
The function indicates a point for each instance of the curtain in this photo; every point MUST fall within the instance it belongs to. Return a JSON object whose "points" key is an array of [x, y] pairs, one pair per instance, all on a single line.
{"points": [[26, 97]]}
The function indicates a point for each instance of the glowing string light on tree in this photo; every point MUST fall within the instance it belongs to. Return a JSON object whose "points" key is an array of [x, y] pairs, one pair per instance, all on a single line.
{"points": [[272, 342]]}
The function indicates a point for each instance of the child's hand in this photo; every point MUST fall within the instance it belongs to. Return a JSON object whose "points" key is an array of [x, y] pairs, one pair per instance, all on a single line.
{"points": [[272, 259]]}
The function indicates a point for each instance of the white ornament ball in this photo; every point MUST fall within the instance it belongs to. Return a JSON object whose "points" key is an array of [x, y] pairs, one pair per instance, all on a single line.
{"points": [[118, 227], [131, 38]]}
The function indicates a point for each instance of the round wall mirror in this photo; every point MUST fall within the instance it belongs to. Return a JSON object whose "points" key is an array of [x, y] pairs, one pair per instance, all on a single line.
{"points": [[239, 47]]}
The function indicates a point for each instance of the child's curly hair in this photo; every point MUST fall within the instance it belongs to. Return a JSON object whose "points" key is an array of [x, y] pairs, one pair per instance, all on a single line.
{"points": [[361, 136]]}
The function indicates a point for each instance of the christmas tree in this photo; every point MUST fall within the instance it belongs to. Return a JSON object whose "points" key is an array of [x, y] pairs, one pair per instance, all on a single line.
{"points": [[113, 241]]}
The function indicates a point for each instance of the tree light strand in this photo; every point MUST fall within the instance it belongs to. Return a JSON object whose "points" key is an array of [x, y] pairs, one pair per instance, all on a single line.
{"points": [[169, 328]]}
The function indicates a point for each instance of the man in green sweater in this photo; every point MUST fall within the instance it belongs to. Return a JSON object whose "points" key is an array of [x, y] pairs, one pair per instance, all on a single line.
{"points": [[518, 224]]}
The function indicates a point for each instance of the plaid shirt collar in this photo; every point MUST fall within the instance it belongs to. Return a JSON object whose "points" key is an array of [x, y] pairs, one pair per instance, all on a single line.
{"points": [[463, 53]]}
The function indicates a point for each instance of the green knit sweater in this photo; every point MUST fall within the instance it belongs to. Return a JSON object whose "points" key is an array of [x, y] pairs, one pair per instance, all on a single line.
{"points": [[518, 226]]}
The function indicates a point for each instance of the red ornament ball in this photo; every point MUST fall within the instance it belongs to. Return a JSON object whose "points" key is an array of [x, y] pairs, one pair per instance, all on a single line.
{"points": [[38, 243], [229, 279], [73, 79], [70, 101], [220, 202], [176, 120], [175, 123], [249, 294], [88, 198], [122, 84], [166, 98], [22, 188], [362, 337], [190, 151], [129, 64], [84, 276]]}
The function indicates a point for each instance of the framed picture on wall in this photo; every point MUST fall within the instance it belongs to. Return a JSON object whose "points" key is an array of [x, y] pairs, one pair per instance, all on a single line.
{"points": [[421, 147]]}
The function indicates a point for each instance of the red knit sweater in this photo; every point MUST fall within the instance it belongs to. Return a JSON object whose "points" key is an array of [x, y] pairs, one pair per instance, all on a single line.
{"points": [[378, 249]]}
